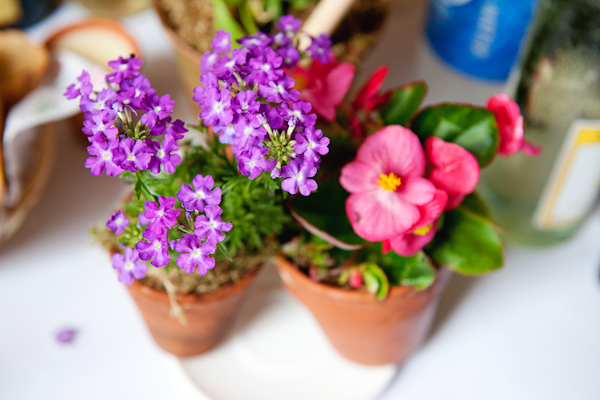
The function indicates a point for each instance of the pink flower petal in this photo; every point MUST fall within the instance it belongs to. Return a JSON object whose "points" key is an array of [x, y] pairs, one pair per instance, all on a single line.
{"points": [[416, 190], [370, 89], [455, 170], [410, 244], [338, 82], [454, 201], [378, 215], [321, 104], [358, 177], [395, 149], [432, 210], [510, 126]]}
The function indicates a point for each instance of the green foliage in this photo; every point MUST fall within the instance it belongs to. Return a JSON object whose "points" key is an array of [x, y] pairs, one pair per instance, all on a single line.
{"points": [[471, 127], [468, 242], [375, 280], [254, 207], [324, 209], [241, 17], [414, 271], [403, 104], [224, 20]]}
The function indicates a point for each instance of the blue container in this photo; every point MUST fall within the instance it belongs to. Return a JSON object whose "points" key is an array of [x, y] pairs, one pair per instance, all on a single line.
{"points": [[479, 37]]}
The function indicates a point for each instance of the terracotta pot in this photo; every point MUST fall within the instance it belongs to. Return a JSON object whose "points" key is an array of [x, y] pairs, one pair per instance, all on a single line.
{"points": [[209, 316], [350, 43], [362, 328]]}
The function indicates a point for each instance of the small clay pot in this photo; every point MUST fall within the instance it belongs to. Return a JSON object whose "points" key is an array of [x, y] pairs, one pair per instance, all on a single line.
{"points": [[208, 316], [353, 39], [362, 328]]}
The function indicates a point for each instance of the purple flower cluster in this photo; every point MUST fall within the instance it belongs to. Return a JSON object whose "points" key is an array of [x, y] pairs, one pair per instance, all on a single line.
{"points": [[202, 232], [251, 103], [117, 142]]}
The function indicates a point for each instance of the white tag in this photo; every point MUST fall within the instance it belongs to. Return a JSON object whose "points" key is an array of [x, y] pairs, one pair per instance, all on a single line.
{"points": [[574, 183]]}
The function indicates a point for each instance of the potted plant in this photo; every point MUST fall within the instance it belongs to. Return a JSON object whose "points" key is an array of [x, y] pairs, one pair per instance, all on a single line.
{"points": [[395, 212], [192, 23], [205, 208]]}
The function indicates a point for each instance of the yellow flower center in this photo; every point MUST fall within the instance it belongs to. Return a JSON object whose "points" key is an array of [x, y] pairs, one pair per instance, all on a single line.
{"points": [[423, 230], [389, 182]]}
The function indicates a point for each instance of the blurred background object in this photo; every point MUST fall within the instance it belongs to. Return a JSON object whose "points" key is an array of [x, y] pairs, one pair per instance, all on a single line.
{"points": [[480, 38], [33, 78], [24, 13], [543, 200], [25, 161], [115, 8], [98, 39]]}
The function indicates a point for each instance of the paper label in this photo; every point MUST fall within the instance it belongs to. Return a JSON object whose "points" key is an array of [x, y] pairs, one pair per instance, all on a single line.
{"points": [[574, 184]]}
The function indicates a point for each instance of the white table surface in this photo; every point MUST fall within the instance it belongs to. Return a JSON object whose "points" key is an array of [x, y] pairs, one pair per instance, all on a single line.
{"points": [[529, 331]]}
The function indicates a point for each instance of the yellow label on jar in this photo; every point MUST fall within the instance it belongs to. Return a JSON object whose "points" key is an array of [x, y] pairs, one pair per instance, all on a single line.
{"points": [[574, 183]]}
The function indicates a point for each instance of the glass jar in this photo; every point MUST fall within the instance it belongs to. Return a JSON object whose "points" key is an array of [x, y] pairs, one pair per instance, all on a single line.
{"points": [[544, 199]]}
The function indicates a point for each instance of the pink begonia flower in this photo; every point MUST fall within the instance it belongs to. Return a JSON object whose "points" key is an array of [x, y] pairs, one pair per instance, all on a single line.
{"points": [[388, 192], [510, 124], [325, 85], [356, 280], [453, 169], [411, 243]]}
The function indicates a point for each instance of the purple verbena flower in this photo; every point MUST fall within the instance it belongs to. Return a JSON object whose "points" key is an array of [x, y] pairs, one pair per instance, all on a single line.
{"points": [[102, 158], [216, 107], [311, 143], [210, 226], [159, 108], [221, 43], [101, 126], [129, 266], [299, 110], [163, 217], [288, 24], [208, 61], [245, 102], [201, 195], [132, 156], [156, 248], [266, 67], [117, 222], [162, 155], [82, 87], [226, 134], [320, 49], [124, 69], [280, 90], [253, 162], [297, 176], [290, 56], [194, 252]]}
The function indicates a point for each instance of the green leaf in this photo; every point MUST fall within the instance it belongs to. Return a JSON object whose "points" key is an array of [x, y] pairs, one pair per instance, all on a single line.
{"points": [[247, 18], [274, 8], [375, 280], [473, 128], [403, 104], [224, 20], [225, 251], [474, 203], [414, 271], [468, 243], [300, 4]]}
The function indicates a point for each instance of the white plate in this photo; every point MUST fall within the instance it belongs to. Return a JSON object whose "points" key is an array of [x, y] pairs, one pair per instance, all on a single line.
{"points": [[278, 351]]}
